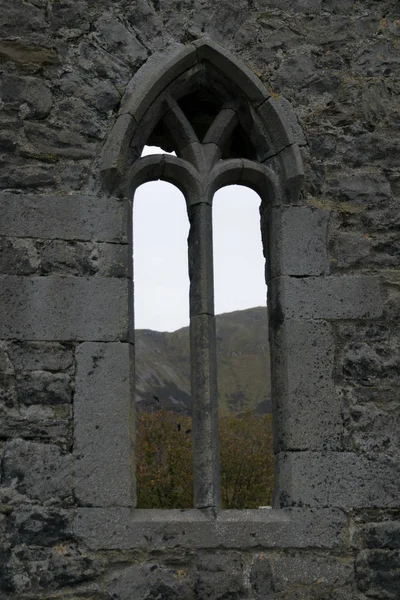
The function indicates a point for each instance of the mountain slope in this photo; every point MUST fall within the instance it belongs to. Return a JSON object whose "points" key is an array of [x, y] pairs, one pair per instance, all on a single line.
{"points": [[163, 365]]}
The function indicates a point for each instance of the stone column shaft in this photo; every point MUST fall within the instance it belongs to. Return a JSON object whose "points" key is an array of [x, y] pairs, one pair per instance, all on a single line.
{"points": [[207, 491]]}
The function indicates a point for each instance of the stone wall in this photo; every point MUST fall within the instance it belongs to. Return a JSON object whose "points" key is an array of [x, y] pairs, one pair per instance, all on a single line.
{"points": [[64, 309]]}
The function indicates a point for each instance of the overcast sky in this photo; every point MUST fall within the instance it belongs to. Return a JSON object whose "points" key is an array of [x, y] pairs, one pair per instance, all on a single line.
{"points": [[160, 234]]}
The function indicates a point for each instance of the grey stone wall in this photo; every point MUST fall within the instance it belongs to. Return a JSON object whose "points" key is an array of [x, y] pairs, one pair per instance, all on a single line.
{"points": [[66, 526]]}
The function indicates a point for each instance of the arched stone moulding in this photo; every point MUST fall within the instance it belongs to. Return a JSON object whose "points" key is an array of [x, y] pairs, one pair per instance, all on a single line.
{"points": [[270, 123]]}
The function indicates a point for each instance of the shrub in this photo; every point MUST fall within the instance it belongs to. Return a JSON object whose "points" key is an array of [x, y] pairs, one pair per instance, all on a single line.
{"points": [[164, 460]]}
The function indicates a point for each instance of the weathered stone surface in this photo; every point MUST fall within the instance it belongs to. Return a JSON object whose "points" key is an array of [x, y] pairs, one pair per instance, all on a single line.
{"points": [[103, 425], [122, 528], [149, 580], [297, 239], [76, 308], [35, 422], [65, 217], [219, 576], [120, 41], [347, 297], [40, 526], [371, 422], [378, 573], [29, 95], [18, 256], [46, 356], [281, 122], [114, 260], [18, 52], [38, 472], [307, 411], [329, 573], [52, 144], [261, 577], [382, 535], [337, 479], [69, 258], [41, 387]]}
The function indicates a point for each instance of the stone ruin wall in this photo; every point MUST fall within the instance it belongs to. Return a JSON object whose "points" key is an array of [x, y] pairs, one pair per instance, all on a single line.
{"points": [[64, 68]]}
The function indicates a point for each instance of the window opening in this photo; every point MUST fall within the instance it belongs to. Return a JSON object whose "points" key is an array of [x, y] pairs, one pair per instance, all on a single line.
{"points": [[224, 129], [243, 362], [162, 364]]}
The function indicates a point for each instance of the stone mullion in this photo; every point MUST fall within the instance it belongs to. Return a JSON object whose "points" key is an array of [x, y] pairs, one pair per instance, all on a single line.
{"points": [[203, 358]]}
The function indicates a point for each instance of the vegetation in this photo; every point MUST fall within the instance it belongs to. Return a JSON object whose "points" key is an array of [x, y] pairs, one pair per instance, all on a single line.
{"points": [[164, 460]]}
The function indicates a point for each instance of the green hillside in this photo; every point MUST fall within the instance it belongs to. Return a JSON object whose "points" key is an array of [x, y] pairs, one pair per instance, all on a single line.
{"points": [[163, 365]]}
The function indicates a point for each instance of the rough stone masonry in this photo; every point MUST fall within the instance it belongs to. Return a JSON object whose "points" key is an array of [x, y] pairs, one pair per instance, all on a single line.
{"points": [[68, 527]]}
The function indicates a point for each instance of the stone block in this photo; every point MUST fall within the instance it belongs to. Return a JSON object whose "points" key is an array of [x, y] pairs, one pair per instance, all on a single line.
{"points": [[281, 123], [65, 217], [261, 577], [44, 356], [154, 76], [219, 576], [114, 152], [60, 257], [42, 387], [346, 297], [149, 580], [27, 93], [155, 530], [69, 566], [297, 240], [104, 407], [18, 256], [310, 569], [115, 260], [36, 422], [40, 526], [66, 257], [293, 172], [43, 142], [378, 573], [385, 534], [37, 471], [336, 479], [307, 412], [65, 308]]}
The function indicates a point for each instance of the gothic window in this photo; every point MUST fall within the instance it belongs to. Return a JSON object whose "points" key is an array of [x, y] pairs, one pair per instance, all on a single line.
{"points": [[224, 129]]}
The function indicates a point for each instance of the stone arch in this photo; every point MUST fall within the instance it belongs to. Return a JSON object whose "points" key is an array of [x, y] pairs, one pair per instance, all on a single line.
{"points": [[153, 96]]}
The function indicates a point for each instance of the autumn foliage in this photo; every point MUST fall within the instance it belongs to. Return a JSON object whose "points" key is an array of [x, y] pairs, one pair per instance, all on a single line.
{"points": [[164, 460]]}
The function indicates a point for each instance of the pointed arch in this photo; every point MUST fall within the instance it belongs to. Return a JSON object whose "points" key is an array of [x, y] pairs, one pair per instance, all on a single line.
{"points": [[266, 126]]}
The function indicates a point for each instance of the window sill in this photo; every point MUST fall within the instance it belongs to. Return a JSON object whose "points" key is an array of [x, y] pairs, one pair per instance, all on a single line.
{"points": [[154, 529]]}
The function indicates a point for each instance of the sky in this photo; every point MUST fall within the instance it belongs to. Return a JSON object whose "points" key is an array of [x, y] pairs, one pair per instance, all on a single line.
{"points": [[160, 234]]}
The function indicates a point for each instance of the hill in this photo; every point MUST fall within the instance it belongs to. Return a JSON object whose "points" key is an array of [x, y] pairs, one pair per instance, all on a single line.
{"points": [[163, 365]]}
